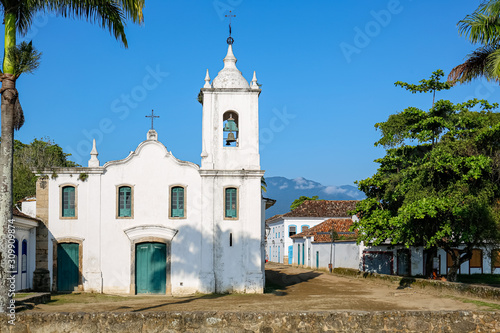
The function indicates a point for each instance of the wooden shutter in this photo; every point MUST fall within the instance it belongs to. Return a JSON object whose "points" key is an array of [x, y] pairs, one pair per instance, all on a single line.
{"points": [[177, 202], [495, 258], [125, 201], [68, 201], [231, 204], [476, 261]]}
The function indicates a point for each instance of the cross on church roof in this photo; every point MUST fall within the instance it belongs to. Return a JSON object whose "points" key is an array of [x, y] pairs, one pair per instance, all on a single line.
{"points": [[230, 39], [152, 116]]}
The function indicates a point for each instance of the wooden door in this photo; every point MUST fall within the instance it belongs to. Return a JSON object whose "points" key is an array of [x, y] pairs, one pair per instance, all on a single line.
{"points": [[67, 266], [150, 268]]}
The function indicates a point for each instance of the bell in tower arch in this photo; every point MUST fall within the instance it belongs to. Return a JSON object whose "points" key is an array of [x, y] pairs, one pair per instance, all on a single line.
{"points": [[230, 127]]}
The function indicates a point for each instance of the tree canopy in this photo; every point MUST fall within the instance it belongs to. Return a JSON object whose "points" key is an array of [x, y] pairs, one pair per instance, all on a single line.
{"points": [[38, 155], [439, 183]]}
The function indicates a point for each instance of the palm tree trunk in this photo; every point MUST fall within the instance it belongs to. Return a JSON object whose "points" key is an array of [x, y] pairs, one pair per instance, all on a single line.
{"points": [[9, 95]]}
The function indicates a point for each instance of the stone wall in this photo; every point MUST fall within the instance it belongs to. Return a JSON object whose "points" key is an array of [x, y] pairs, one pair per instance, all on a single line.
{"points": [[339, 321], [41, 275], [466, 289]]}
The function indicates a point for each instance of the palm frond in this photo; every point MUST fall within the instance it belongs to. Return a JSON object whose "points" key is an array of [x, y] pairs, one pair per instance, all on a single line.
{"points": [[493, 63], [18, 115], [110, 14], [475, 66], [24, 58], [105, 13], [483, 25], [480, 28], [133, 9]]}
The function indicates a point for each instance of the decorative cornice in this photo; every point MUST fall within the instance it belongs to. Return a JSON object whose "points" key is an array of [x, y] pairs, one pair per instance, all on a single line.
{"points": [[232, 173], [149, 230]]}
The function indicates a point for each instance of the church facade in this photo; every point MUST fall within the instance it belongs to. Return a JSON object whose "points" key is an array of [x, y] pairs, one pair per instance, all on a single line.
{"points": [[151, 223]]}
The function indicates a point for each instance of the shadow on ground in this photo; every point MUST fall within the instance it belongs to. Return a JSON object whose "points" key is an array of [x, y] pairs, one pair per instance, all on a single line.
{"points": [[184, 301], [277, 281]]}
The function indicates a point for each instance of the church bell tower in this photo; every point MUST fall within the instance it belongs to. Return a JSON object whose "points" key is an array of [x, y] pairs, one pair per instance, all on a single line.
{"points": [[230, 119], [233, 218]]}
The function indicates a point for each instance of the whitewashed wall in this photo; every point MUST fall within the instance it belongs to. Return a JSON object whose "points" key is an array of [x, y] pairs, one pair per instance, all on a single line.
{"points": [[279, 241], [25, 230]]}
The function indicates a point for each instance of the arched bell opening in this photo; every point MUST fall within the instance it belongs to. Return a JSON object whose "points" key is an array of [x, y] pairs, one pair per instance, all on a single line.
{"points": [[230, 129]]}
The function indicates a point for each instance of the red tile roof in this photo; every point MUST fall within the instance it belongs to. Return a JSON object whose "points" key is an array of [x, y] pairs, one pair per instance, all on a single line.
{"points": [[274, 218], [321, 232], [319, 208]]}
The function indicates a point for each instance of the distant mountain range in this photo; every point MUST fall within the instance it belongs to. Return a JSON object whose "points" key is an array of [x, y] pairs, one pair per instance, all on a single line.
{"points": [[285, 191]]}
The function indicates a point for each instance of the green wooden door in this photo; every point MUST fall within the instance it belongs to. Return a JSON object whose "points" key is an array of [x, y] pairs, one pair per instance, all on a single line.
{"points": [[67, 266], [150, 268]]}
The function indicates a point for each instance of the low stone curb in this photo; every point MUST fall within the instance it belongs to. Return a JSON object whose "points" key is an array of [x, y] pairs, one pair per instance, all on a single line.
{"points": [[474, 290], [338, 321], [30, 301]]}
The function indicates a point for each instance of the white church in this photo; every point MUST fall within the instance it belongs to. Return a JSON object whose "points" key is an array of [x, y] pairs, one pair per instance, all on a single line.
{"points": [[205, 231]]}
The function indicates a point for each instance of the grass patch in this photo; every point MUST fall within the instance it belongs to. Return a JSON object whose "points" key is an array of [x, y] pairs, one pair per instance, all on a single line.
{"points": [[22, 295], [84, 298], [490, 306], [479, 278]]}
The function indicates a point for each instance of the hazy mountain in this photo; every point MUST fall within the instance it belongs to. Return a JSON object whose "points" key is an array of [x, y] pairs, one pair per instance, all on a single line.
{"points": [[285, 191]]}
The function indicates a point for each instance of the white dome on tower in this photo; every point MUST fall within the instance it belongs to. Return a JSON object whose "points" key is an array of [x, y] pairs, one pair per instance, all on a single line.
{"points": [[230, 76]]}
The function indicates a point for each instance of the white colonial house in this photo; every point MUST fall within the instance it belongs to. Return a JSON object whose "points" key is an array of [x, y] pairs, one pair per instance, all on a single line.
{"points": [[314, 248], [279, 244], [24, 246], [151, 223]]}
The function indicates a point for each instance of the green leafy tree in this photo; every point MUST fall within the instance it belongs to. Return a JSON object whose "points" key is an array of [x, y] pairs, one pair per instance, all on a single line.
{"points": [[297, 202], [481, 27], [38, 155], [439, 183], [432, 85], [17, 18]]}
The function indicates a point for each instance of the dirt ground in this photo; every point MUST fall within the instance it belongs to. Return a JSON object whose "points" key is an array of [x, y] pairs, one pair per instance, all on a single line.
{"points": [[292, 289]]}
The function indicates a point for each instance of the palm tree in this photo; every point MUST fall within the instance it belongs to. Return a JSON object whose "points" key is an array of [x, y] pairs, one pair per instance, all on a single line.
{"points": [[18, 17], [481, 27]]}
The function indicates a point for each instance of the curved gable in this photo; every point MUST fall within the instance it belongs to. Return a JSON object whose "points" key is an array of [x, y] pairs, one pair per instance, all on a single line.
{"points": [[142, 147]]}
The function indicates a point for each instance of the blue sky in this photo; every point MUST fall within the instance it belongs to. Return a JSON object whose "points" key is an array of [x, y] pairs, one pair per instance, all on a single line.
{"points": [[327, 70]]}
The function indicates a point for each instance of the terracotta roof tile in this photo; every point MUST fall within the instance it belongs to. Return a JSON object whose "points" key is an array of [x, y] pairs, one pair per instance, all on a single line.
{"points": [[323, 208], [274, 218], [321, 232]]}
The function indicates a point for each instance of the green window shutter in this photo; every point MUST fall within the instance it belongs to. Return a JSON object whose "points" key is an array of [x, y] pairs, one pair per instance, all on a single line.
{"points": [[125, 201], [68, 201], [177, 202], [231, 204]]}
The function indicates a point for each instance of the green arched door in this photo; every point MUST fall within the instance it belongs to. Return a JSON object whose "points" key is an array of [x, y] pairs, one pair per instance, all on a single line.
{"points": [[150, 268]]}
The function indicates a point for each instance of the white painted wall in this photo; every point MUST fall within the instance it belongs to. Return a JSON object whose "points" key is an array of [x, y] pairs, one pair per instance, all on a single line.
{"points": [[151, 170], [25, 230], [28, 207], [279, 240], [350, 255]]}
